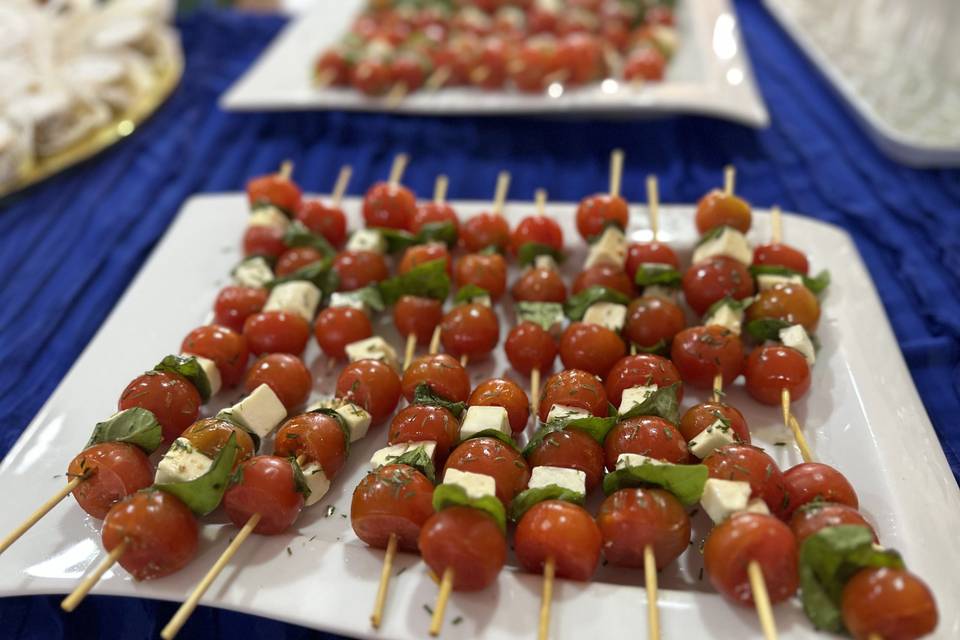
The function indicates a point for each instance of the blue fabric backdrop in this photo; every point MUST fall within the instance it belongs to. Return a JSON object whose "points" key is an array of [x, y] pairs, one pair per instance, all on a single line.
{"points": [[69, 247]]}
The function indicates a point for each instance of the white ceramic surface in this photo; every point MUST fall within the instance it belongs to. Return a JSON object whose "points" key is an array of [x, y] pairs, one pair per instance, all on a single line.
{"points": [[709, 75], [862, 415]]}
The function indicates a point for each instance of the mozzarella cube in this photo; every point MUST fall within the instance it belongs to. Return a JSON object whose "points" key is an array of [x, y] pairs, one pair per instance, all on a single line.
{"points": [[356, 418], [635, 396], [317, 482], [606, 314], [340, 299], [210, 370], [625, 460], [795, 337], [610, 248], [367, 240], [268, 216], [723, 498], [660, 291], [712, 438], [373, 348], [757, 505], [388, 455], [482, 418], [548, 315], [561, 413], [260, 412], [477, 485], [299, 297], [730, 243], [253, 272], [182, 463], [727, 317], [770, 280], [570, 479], [545, 262]]}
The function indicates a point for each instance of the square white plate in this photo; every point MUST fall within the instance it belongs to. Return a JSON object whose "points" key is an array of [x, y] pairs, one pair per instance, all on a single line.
{"points": [[710, 75], [862, 415]]}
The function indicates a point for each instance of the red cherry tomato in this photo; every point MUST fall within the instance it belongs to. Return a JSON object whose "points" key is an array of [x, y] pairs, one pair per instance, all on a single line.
{"points": [[778, 254], [296, 258], [417, 316], [325, 219], [485, 230], [632, 519], [378, 510], [267, 487], [285, 374], [718, 209], [700, 416], [235, 304], [264, 240], [659, 15], [539, 285], [276, 332], [570, 449], [641, 370], [653, 320], [700, 353], [573, 388], [536, 60], [421, 253], [434, 213], [639, 253], [334, 65], [470, 330], [409, 69], [562, 531], [645, 62], [336, 327], [317, 436], [750, 464], [649, 436], [581, 55], [714, 279], [372, 385], [792, 303], [373, 77], [596, 212], [811, 481], [888, 603], [111, 471], [591, 347], [493, 458], [227, 348], [417, 423], [468, 542], [489, 272], [442, 373], [604, 275], [771, 369], [537, 230], [390, 206], [274, 189], [210, 435], [814, 516], [357, 269], [498, 392], [529, 347], [172, 399], [160, 531]]}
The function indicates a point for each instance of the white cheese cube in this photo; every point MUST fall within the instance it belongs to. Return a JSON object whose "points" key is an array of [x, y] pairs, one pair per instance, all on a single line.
{"points": [[367, 240], [477, 485], [545, 262], [548, 315], [317, 482], [770, 280], [299, 297], [563, 413], [260, 412], [482, 300], [610, 248], [268, 216], [356, 418], [340, 299], [633, 396], [660, 291], [388, 455], [757, 505], [656, 266], [730, 243], [727, 317], [482, 418], [253, 272], [182, 463], [571, 479], [373, 348], [606, 314], [625, 460], [712, 438], [210, 370], [723, 498], [795, 337]]}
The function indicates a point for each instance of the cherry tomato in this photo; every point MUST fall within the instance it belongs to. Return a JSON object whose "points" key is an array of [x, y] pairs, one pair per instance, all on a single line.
{"points": [[409, 69], [700, 353], [489, 272], [285, 374], [235, 304], [210, 435], [811, 481], [442, 373], [317, 436], [573, 388], [395, 499], [537, 230], [470, 330], [467, 541], [632, 519], [390, 206], [562, 531], [650, 436], [267, 487], [172, 399], [814, 516], [325, 219], [641, 370], [336, 327], [639, 253], [274, 189], [296, 258], [645, 62], [597, 212], [792, 303], [582, 56], [888, 603], [357, 269], [778, 254], [417, 423], [111, 471], [750, 464], [227, 348], [570, 449], [714, 279], [653, 320], [529, 347], [539, 285], [334, 65], [419, 254], [659, 15], [498, 392], [700, 416], [434, 213], [591, 347], [160, 531], [604, 275], [491, 73], [493, 458], [276, 332], [771, 369], [485, 230], [718, 209], [372, 385], [751, 537], [536, 60], [264, 240], [373, 77], [417, 316]]}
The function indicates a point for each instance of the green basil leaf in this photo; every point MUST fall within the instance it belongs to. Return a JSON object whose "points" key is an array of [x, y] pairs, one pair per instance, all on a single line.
{"points": [[596, 428], [685, 481], [298, 235], [818, 283], [397, 240], [763, 329], [299, 481], [546, 314], [713, 233], [537, 438], [497, 435], [529, 251], [423, 394], [828, 559], [426, 280], [340, 421], [666, 277], [576, 306], [188, 367], [662, 402], [369, 295], [419, 459], [136, 426], [320, 273], [529, 497], [467, 293], [203, 494], [660, 348], [438, 232], [453, 495], [771, 270]]}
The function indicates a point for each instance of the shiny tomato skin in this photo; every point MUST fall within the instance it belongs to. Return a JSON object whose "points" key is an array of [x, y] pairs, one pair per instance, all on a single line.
{"points": [[112, 471], [227, 348], [792, 303], [421, 253], [650, 436], [172, 399], [811, 518], [604, 275], [442, 373], [316, 436], [639, 253], [210, 435], [528, 346], [892, 604], [537, 230], [434, 212], [395, 499], [752, 465], [571, 449], [264, 240], [276, 332], [811, 481], [390, 206], [161, 533], [591, 347], [235, 304], [573, 388], [781, 255], [645, 63], [274, 189], [632, 519], [417, 423], [489, 272], [267, 487], [652, 320], [467, 541], [493, 458], [596, 212], [701, 352], [714, 279], [336, 327], [372, 385], [285, 374], [417, 316], [357, 269], [325, 219], [773, 368], [747, 537], [539, 285], [296, 258], [470, 330], [485, 230], [499, 392], [700, 416], [717, 209], [641, 370], [560, 530]]}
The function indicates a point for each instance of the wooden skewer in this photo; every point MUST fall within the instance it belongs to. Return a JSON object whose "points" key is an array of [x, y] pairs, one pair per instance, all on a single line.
{"points": [[790, 421], [286, 169], [440, 189], [74, 599], [183, 613], [653, 202], [874, 636], [616, 171], [396, 94], [385, 574], [729, 179], [43, 510], [340, 187], [549, 569], [464, 360], [324, 78], [535, 390], [761, 600], [408, 350], [717, 387], [399, 165], [446, 585], [540, 202], [437, 79], [500, 195], [435, 341], [776, 225], [650, 573]]}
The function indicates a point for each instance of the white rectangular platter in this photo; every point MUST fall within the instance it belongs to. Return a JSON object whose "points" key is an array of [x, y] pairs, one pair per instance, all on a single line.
{"points": [[709, 75], [862, 415]]}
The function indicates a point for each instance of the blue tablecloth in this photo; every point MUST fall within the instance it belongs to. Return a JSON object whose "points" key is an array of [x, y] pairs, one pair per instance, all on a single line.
{"points": [[70, 247]]}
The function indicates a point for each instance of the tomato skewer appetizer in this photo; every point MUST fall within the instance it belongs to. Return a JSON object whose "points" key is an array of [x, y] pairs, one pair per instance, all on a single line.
{"points": [[490, 228], [328, 219], [389, 204]]}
